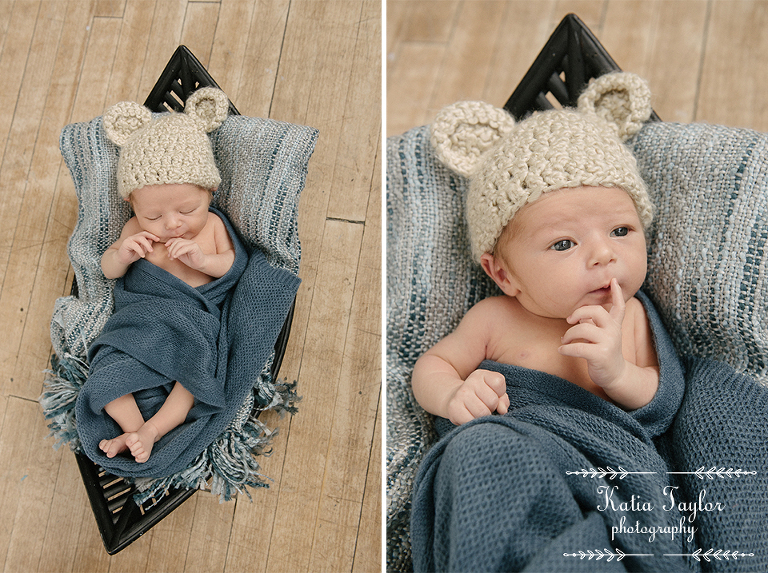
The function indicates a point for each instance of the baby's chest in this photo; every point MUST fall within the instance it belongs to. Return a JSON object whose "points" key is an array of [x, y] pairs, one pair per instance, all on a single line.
{"points": [[160, 258], [539, 351]]}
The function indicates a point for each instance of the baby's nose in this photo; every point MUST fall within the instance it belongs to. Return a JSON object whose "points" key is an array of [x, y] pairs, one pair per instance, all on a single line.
{"points": [[602, 254], [172, 223]]}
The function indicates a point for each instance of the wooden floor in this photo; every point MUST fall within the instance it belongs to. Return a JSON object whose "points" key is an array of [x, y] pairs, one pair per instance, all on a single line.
{"points": [[705, 60], [303, 61]]}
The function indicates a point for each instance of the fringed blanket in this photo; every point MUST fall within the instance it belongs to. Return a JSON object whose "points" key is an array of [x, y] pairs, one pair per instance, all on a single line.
{"points": [[164, 330], [568, 482]]}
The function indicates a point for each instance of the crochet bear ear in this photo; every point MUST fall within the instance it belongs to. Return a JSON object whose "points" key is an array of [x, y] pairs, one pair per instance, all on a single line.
{"points": [[208, 107], [622, 99], [463, 131], [123, 119]]}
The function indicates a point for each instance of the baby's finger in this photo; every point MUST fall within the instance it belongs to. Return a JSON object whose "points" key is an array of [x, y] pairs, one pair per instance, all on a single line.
{"points": [[145, 243], [503, 406], [619, 305], [593, 314], [584, 350], [496, 382], [135, 246], [478, 408], [584, 331], [462, 416]]}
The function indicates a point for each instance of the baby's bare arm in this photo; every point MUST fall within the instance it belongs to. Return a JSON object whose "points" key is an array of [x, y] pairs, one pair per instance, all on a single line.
{"points": [[212, 264], [132, 245], [446, 381]]}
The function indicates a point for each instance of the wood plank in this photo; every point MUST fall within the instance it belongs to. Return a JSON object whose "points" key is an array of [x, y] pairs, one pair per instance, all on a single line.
{"points": [[253, 520], [18, 38], [354, 413], [524, 30], [135, 557], [210, 534], [199, 29], [109, 8], [6, 8], [62, 528], [229, 45], [306, 458], [261, 60], [12, 67], [164, 36], [312, 87], [170, 539], [732, 90], [411, 76], [368, 551], [131, 53], [32, 198], [591, 12], [397, 14], [90, 555], [370, 535], [361, 124], [19, 436], [464, 72], [97, 68], [35, 497], [430, 21], [674, 42]]}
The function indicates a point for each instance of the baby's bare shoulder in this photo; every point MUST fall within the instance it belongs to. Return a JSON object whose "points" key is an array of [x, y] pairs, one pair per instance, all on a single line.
{"points": [[491, 311], [221, 238], [635, 310], [131, 227], [491, 306]]}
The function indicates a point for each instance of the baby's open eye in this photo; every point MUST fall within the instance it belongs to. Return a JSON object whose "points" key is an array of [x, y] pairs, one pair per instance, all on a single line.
{"points": [[620, 232], [563, 245]]}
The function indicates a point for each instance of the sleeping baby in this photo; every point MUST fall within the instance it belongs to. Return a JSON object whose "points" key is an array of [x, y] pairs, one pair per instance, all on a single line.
{"points": [[166, 171]]}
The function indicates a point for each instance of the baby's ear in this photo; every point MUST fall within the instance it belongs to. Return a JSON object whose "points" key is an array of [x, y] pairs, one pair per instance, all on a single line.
{"points": [[499, 274], [622, 99], [463, 131], [123, 119], [208, 107]]}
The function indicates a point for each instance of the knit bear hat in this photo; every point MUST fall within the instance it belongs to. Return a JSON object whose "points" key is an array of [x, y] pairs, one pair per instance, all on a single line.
{"points": [[174, 148], [511, 164]]}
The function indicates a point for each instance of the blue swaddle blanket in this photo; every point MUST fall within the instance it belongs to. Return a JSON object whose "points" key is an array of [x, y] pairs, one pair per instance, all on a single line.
{"points": [[517, 492], [213, 339]]}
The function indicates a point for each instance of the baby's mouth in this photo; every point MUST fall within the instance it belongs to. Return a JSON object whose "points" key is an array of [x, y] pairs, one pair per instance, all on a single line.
{"points": [[602, 290]]}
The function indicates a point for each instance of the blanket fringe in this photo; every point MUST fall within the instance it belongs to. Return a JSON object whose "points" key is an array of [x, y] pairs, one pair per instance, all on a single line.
{"points": [[227, 467], [60, 389]]}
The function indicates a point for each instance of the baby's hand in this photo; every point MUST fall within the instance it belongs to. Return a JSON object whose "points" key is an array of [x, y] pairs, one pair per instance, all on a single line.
{"points": [[188, 252], [136, 247], [596, 337], [481, 394]]}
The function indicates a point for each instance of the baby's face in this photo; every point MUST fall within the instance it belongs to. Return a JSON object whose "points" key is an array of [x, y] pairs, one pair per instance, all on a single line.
{"points": [[561, 251], [169, 211]]}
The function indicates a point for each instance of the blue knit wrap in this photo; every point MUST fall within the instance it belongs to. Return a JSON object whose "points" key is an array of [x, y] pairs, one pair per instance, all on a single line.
{"points": [[214, 339]]}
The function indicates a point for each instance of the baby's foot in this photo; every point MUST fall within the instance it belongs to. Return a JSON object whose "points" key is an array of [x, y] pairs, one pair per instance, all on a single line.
{"points": [[140, 442], [114, 446]]}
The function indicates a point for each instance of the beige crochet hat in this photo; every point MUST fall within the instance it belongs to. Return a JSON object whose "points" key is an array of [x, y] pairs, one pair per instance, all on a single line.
{"points": [[173, 148], [512, 164]]}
